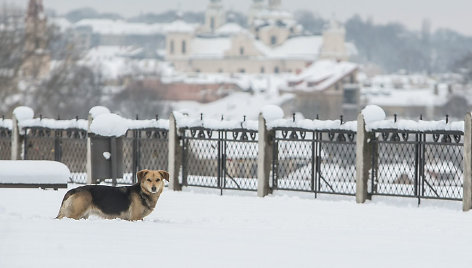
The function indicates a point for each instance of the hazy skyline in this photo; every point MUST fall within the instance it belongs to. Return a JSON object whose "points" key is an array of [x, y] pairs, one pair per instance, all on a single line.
{"points": [[454, 14]]}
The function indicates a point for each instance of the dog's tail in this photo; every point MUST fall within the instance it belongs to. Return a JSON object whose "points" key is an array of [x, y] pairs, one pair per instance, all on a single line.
{"points": [[61, 213]]}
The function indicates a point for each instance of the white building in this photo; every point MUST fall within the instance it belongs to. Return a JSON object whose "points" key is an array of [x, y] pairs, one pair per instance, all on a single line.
{"points": [[272, 43]]}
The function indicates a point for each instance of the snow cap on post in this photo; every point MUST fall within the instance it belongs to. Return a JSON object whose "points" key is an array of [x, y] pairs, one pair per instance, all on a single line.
{"points": [[109, 125], [23, 113], [272, 112], [373, 113], [98, 110]]}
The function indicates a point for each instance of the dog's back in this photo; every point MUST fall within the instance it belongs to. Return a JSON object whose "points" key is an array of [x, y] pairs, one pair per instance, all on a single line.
{"points": [[106, 201]]}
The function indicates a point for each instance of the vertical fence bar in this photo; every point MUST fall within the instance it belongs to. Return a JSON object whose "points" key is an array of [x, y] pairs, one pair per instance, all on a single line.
{"points": [[313, 162], [467, 184], [114, 156], [135, 164]]}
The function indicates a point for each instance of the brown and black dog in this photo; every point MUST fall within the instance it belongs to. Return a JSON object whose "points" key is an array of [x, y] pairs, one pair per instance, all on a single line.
{"points": [[128, 202]]}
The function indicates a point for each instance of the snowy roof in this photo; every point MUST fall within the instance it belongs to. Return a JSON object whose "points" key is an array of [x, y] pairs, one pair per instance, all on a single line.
{"points": [[230, 28], [301, 47], [406, 97], [322, 74], [121, 27]]}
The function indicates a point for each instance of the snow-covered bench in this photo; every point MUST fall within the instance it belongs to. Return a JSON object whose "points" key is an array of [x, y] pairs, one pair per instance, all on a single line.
{"points": [[33, 174]]}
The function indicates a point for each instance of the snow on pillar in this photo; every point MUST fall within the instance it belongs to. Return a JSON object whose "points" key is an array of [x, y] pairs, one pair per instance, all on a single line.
{"points": [[175, 155], [363, 160], [467, 184], [264, 158]]}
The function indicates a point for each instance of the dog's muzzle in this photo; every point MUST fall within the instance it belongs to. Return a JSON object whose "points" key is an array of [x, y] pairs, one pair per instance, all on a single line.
{"points": [[153, 189]]}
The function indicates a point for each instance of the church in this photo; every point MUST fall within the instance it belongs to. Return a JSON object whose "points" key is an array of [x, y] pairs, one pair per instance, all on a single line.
{"points": [[271, 43]]}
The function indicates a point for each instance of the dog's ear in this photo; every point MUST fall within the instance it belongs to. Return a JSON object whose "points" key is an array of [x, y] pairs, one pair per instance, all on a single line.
{"points": [[141, 174], [164, 175]]}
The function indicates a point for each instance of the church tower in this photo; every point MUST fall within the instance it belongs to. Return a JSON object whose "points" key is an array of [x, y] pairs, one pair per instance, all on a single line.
{"points": [[214, 16], [334, 45], [36, 52]]}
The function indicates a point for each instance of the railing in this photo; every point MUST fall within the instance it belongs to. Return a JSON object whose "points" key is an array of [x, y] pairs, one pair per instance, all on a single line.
{"points": [[222, 159], [67, 146], [417, 164], [5, 143], [314, 161]]}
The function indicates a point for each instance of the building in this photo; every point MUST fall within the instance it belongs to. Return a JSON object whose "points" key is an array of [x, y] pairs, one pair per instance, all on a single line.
{"points": [[328, 88], [273, 42]]}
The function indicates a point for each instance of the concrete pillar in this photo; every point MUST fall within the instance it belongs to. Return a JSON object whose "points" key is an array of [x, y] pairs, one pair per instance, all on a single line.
{"points": [[89, 153], [467, 184], [175, 155], [264, 158], [363, 160], [16, 140]]}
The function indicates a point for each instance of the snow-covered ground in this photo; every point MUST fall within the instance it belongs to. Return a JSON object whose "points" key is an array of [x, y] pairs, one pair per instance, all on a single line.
{"points": [[198, 228]]}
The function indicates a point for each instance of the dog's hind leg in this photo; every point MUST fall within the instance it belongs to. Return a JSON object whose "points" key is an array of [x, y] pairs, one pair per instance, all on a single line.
{"points": [[77, 206]]}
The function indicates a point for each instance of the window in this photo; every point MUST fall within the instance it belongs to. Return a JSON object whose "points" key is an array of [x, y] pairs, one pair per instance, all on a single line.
{"points": [[242, 70], [171, 46], [262, 70], [273, 40], [184, 47], [212, 23], [241, 51], [350, 96], [220, 70], [276, 70]]}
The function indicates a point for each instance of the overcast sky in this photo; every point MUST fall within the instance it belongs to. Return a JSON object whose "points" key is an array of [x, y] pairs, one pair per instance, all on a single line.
{"points": [[455, 14]]}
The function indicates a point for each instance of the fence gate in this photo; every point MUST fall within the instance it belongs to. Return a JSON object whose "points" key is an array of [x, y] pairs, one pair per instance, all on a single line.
{"points": [[417, 164], [222, 159], [314, 161]]}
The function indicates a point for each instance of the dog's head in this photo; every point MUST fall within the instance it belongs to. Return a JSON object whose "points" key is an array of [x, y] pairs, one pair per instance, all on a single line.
{"points": [[152, 181]]}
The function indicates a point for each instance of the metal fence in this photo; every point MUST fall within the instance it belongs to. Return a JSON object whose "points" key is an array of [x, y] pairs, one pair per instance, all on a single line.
{"points": [[417, 164], [222, 159], [67, 146], [314, 161], [5, 144]]}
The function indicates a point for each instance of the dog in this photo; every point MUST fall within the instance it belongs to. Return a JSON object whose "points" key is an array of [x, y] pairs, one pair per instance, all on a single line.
{"points": [[128, 202]]}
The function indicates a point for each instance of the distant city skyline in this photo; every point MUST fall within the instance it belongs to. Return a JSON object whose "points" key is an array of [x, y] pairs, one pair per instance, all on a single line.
{"points": [[453, 14]]}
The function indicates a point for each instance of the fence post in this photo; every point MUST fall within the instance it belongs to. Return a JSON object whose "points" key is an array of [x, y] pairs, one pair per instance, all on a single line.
{"points": [[16, 140], [264, 158], [175, 158], [467, 184], [363, 160], [89, 153]]}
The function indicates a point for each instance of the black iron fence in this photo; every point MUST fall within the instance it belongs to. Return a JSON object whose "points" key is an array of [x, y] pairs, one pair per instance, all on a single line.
{"points": [[222, 159], [5, 143], [314, 161], [68, 146], [417, 164]]}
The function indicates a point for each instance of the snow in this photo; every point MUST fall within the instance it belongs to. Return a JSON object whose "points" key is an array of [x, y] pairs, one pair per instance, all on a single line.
{"points": [[33, 172], [121, 27], [98, 110], [54, 124], [203, 229], [413, 125], [230, 29], [373, 113], [272, 112], [109, 125], [322, 74], [113, 125], [23, 112], [106, 155], [6, 123]]}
